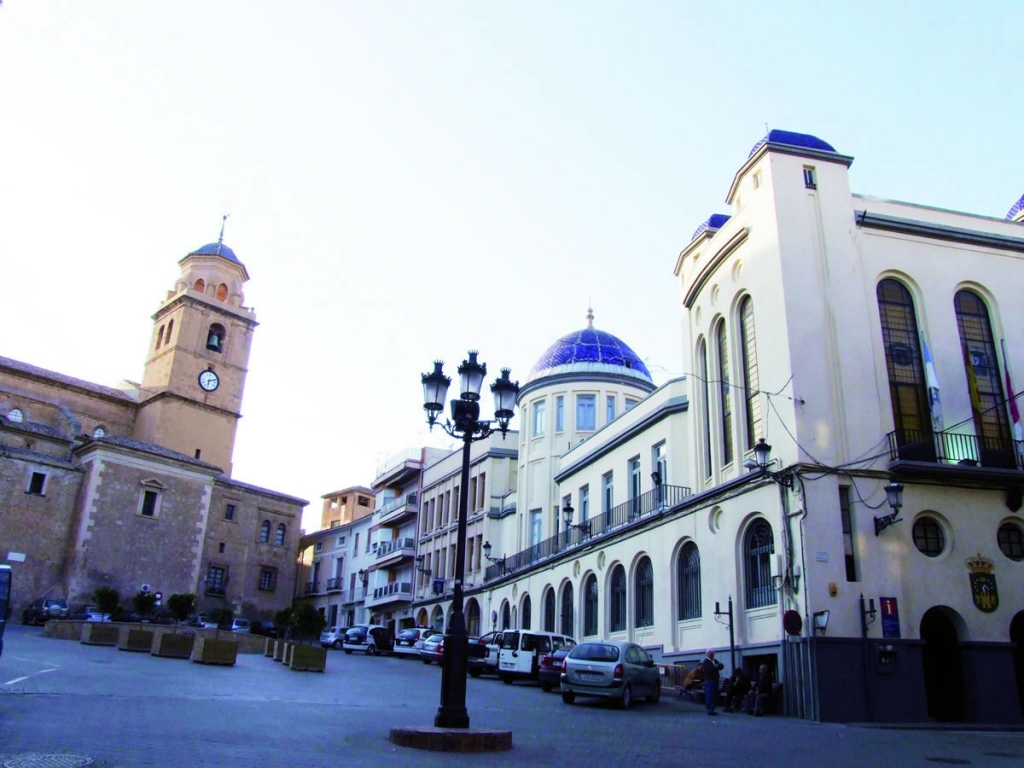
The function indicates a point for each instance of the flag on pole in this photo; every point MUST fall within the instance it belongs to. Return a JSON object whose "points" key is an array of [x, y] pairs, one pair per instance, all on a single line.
{"points": [[932, 383], [972, 388], [1018, 432]]}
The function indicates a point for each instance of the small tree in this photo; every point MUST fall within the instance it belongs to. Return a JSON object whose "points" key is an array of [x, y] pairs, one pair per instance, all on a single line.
{"points": [[284, 620], [143, 603], [307, 620], [107, 599], [222, 616], [181, 607]]}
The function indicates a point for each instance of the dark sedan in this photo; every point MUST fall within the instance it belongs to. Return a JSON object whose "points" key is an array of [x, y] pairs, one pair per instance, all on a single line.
{"points": [[550, 670]]}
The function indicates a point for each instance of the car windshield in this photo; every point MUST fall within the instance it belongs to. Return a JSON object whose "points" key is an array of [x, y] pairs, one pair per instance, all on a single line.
{"points": [[510, 640], [595, 652], [408, 634], [357, 632]]}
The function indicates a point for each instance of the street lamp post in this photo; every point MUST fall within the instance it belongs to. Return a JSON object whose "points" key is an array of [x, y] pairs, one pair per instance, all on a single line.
{"points": [[465, 425]]}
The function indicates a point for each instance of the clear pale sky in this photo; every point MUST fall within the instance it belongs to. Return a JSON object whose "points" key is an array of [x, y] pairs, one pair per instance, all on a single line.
{"points": [[408, 180]]}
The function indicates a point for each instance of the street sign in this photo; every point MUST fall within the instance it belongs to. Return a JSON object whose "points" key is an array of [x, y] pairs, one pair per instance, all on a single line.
{"points": [[890, 616]]}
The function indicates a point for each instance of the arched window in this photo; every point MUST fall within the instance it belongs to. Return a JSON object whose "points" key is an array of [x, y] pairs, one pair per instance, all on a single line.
{"points": [[15, 415], [567, 612], [265, 532], [199, 286], [170, 328], [725, 396], [758, 548], [506, 616], [984, 383], [526, 613], [279, 537], [644, 594], [905, 366], [706, 411], [688, 582], [160, 337], [590, 606], [549, 611], [222, 292], [99, 432], [472, 618], [751, 382], [215, 338], [617, 614]]}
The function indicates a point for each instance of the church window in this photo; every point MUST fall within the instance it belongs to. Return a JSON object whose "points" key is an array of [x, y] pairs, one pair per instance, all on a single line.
{"points": [[160, 337], [222, 292], [618, 600], [268, 579], [688, 582], [644, 594], [15, 415], [560, 413], [265, 532], [538, 418], [98, 433], [928, 536], [215, 338], [725, 395], [610, 408], [279, 536], [590, 606], [1011, 541], [170, 329], [567, 610], [758, 547], [229, 511], [549, 611], [751, 395], [199, 286], [586, 416], [37, 484], [149, 503]]}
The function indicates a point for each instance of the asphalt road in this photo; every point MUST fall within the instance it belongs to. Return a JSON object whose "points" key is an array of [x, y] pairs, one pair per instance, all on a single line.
{"points": [[127, 709]]}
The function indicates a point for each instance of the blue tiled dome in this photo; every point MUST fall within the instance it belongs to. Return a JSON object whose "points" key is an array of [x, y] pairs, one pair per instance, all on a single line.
{"points": [[590, 351], [1016, 208], [216, 249], [804, 140], [715, 221]]}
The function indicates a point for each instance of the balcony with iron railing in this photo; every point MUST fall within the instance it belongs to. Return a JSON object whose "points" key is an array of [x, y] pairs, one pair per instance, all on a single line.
{"points": [[335, 584], [954, 448], [397, 510], [312, 587], [352, 596], [393, 551], [656, 500], [395, 591]]}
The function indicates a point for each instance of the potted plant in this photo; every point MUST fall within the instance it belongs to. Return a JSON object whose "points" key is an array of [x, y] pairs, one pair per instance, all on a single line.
{"points": [[172, 645], [308, 655], [213, 650], [108, 600], [139, 639]]}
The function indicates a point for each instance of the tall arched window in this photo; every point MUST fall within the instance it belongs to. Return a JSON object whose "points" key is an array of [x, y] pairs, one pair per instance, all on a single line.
{"points": [[758, 548], [567, 611], [222, 292], [707, 406], [725, 396], [590, 606], [160, 337], [526, 612], [170, 328], [199, 286], [265, 532], [617, 612], [506, 616], [215, 338], [903, 361], [984, 382], [688, 582], [279, 536], [644, 616], [549, 611], [751, 382], [472, 618]]}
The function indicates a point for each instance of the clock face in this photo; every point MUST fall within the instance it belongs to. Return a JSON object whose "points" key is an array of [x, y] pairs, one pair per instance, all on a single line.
{"points": [[208, 380]]}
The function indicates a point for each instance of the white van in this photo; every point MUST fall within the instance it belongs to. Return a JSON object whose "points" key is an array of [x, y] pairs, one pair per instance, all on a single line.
{"points": [[522, 650]]}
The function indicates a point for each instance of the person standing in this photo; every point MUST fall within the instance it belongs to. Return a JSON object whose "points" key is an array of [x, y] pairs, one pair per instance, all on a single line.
{"points": [[764, 690], [710, 667]]}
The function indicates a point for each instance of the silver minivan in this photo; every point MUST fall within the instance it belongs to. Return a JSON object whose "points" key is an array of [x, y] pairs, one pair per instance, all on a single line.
{"points": [[522, 650]]}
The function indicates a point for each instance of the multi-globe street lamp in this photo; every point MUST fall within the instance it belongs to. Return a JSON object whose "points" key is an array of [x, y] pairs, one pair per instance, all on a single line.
{"points": [[465, 425]]}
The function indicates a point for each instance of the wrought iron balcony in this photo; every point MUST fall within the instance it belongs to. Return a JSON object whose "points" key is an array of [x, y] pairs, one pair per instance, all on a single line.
{"points": [[312, 587], [656, 500], [335, 584], [387, 549], [953, 448], [396, 510]]}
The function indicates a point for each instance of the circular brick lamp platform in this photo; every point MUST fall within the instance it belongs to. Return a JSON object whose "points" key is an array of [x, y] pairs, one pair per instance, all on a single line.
{"points": [[452, 739]]}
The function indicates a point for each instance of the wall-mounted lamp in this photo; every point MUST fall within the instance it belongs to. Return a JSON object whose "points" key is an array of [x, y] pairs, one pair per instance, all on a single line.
{"points": [[419, 565], [567, 512], [499, 561], [894, 495], [364, 576], [763, 459], [820, 621]]}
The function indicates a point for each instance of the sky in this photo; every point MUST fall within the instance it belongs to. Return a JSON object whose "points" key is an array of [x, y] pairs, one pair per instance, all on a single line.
{"points": [[406, 181]]}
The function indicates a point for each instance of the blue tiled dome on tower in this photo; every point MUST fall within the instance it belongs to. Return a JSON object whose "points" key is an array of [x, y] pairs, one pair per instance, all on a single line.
{"points": [[216, 249], [793, 139], [588, 352], [1015, 209]]}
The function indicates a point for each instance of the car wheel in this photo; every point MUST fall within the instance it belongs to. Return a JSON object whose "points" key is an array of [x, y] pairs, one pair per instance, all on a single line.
{"points": [[336, 645], [506, 679], [546, 687], [474, 672], [426, 661], [653, 698], [371, 650], [627, 698], [568, 697], [348, 651]]}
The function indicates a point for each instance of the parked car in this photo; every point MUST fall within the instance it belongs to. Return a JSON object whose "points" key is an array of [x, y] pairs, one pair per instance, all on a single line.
{"points": [[550, 670], [45, 608], [611, 669], [241, 626], [369, 638], [483, 654], [265, 628], [407, 641], [88, 613], [433, 649], [522, 650], [333, 637]]}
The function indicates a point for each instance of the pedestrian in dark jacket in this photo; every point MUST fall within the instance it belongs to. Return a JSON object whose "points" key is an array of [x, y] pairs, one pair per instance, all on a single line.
{"points": [[710, 667], [738, 690], [763, 690]]}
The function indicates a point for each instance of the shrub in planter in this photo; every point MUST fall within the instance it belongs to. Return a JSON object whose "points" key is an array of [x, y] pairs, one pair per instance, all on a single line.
{"points": [[173, 646], [108, 600]]}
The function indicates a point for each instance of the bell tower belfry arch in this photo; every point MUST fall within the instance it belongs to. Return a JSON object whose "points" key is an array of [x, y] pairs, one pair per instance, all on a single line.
{"points": [[198, 357]]}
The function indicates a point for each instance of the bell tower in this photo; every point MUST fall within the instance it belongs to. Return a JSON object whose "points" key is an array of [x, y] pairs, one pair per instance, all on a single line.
{"points": [[192, 384]]}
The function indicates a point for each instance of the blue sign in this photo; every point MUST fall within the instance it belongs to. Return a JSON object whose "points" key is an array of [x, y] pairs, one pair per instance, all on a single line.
{"points": [[890, 616], [438, 586]]}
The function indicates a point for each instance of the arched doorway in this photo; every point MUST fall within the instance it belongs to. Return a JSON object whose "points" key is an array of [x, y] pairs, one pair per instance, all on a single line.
{"points": [[437, 619], [472, 617], [422, 618], [943, 669], [1017, 637]]}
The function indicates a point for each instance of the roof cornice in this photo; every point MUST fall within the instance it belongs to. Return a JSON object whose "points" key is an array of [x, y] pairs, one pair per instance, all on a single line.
{"points": [[712, 264], [785, 149], [867, 220]]}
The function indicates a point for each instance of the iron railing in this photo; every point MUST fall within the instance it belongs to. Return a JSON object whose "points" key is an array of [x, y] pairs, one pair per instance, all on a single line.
{"points": [[312, 587], [335, 584], [953, 448], [658, 499], [393, 588], [409, 500], [386, 548]]}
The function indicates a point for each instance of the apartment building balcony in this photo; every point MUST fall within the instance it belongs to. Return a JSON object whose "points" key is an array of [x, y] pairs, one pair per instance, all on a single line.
{"points": [[398, 511], [393, 592], [335, 585], [312, 587], [659, 499], [960, 453], [396, 550]]}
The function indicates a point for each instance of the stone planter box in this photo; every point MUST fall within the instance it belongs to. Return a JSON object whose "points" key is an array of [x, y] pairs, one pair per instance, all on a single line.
{"points": [[138, 640], [100, 633], [207, 650], [308, 658], [279, 650], [173, 646], [268, 649]]}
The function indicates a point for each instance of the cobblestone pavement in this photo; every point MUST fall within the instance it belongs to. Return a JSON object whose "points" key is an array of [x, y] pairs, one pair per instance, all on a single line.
{"points": [[126, 709]]}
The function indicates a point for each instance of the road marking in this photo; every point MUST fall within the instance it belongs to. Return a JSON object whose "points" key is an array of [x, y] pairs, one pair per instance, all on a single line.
{"points": [[16, 680], [26, 677]]}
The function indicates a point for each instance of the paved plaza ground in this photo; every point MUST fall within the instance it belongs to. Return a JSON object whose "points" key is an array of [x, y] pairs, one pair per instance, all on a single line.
{"points": [[127, 709]]}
